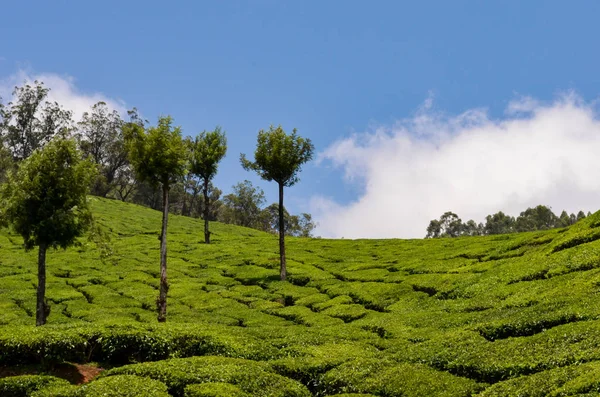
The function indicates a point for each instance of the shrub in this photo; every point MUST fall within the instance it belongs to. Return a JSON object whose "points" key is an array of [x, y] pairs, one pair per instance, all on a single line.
{"points": [[250, 376], [124, 386], [25, 385], [216, 389], [393, 379]]}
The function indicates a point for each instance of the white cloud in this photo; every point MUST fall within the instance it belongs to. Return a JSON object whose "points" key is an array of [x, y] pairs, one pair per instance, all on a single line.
{"points": [[471, 164], [62, 90]]}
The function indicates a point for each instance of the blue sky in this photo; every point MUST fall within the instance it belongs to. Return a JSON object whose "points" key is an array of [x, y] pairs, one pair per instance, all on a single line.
{"points": [[331, 69]]}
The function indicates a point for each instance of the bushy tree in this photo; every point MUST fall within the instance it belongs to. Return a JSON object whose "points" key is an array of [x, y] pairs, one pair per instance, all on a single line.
{"points": [[100, 137], [207, 150], [45, 202], [499, 223], [29, 121], [295, 225], [279, 157], [158, 158], [243, 206], [537, 218]]}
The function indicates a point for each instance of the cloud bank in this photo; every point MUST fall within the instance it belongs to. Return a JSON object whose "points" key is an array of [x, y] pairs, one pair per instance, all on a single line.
{"points": [[62, 90], [471, 164]]}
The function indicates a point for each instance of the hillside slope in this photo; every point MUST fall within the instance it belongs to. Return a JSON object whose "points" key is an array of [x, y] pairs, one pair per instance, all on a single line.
{"points": [[492, 316]]}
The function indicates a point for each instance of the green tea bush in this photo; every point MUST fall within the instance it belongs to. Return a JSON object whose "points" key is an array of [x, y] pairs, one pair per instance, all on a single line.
{"points": [[25, 385], [252, 377], [124, 386], [395, 379], [307, 364], [572, 380], [124, 344], [216, 389]]}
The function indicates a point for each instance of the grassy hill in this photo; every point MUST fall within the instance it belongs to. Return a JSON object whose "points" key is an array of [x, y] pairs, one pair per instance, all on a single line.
{"points": [[489, 316]]}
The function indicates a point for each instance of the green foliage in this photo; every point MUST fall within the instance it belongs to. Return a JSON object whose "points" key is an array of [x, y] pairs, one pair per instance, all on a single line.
{"points": [[242, 206], [207, 150], [157, 153], [392, 379], [124, 386], [100, 138], [497, 315], [279, 156], [252, 377], [216, 389], [25, 385], [29, 122], [45, 200]]}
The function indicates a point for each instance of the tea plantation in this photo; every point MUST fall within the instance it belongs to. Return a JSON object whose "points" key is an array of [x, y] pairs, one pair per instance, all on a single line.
{"points": [[509, 315]]}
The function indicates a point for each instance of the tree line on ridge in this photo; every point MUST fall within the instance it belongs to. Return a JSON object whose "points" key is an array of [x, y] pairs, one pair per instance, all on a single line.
{"points": [[540, 217]]}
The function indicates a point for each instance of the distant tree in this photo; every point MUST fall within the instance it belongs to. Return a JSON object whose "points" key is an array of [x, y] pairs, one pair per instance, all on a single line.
{"points": [[214, 206], [279, 157], [451, 225], [45, 202], [158, 158], [207, 151], [581, 215], [471, 228], [243, 206], [191, 187], [537, 218], [30, 121], [499, 223], [100, 137], [565, 219], [306, 225], [434, 230]]}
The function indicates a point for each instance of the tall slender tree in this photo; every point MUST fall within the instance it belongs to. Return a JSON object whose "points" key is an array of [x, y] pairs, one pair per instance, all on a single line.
{"points": [[279, 157], [206, 152], [45, 202], [158, 158]]}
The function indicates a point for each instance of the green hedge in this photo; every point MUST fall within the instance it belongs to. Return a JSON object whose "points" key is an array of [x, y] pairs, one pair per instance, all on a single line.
{"points": [[124, 386], [572, 380], [125, 344], [214, 390], [25, 385], [251, 377], [386, 378]]}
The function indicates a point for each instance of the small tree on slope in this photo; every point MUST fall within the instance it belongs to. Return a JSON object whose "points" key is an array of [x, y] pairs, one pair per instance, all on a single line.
{"points": [[279, 157], [45, 202], [158, 157], [206, 152]]}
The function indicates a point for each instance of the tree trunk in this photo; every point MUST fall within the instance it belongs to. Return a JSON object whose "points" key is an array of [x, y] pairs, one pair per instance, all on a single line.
{"points": [[164, 286], [283, 270], [206, 212], [41, 309]]}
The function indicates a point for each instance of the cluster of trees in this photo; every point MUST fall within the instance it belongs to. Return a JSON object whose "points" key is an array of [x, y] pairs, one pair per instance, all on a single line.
{"points": [[48, 163], [540, 217]]}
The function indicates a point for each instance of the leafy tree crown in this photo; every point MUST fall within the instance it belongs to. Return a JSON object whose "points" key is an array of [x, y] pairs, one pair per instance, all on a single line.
{"points": [[207, 150], [156, 153], [278, 156], [45, 199]]}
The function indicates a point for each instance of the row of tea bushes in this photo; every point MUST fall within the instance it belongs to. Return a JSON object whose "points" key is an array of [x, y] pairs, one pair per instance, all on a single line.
{"points": [[121, 344]]}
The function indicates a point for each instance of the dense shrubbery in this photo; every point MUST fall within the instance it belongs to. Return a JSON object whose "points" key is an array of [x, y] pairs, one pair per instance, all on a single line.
{"points": [[251, 377], [25, 385], [124, 344], [496, 315]]}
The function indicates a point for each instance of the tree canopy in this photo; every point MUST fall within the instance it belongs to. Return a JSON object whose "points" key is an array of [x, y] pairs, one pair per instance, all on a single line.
{"points": [[45, 202]]}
